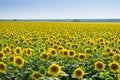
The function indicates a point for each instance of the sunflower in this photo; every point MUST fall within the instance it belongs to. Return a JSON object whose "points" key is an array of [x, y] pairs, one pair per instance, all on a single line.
{"points": [[12, 47], [114, 67], [92, 43], [76, 55], [78, 73], [99, 66], [94, 49], [17, 42], [64, 41], [60, 47], [107, 43], [111, 54], [5, 45], [118, 48], [117, 51], [18, 61], [71, 53], [11, 59], [29, 43], [88, 41], [118, 41], [27, 40], [8, 50], [75, 46], [78, 43], [116, 57], [102, 43], [24, 50], [112, 44], [118, 76], [61, 52], [108, 50], [45, 56], [42, 50], [51, 44], [4, 51], [60, 39], [2, 55], [28, 51], [65, 52], [81, 57], [88, 50], [69, 44], [58, 43], [104, 55], [55, 46], [36, 76], [2, 67], [52, 51], [101, 39], [18, 51], [54, 69]]}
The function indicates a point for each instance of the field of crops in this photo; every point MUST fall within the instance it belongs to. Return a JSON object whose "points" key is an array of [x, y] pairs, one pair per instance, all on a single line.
{"points": [[59, 51]]}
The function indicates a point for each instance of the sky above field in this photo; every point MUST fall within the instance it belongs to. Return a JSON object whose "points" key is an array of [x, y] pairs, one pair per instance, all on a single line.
{"points": [[59, 9]]}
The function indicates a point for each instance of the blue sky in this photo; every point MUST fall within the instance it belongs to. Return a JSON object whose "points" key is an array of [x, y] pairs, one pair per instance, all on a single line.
{"points": [[59, 9]]}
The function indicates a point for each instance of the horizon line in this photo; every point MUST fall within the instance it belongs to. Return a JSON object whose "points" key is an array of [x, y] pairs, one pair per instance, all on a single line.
{"points": [[56, 18]]}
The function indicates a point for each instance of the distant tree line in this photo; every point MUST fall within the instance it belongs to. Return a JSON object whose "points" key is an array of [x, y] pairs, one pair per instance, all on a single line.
{"points": [[76, 20]]}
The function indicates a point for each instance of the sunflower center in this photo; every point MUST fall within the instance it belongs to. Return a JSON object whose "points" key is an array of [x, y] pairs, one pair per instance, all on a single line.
{"points": [[44, 56], [37, 76], [2, 67], [5, 45], [18, 61], [68, 44], [11, 47], [7, 50], [16, 41], [11, 59], [95, 50], [58, 43], [106, 43], [119, 48], [92, 44], [82, 56], [111, 54], [42, 50], [51, 44], [71, 53], [59, 48], [4, 51], [108, 50], [28, 52], [78, 73], [65, 53], [101, 40], [114, 66], [55, 47], [99, 66], [54, 69], [60, 40], [88, 51], [76, 46], [1, 55], [101, 43], [18, 51], [53, 52]]}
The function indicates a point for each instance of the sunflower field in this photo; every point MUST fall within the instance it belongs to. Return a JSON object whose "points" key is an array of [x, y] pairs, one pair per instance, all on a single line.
{"points": [[59, 51]]}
